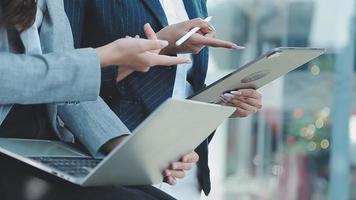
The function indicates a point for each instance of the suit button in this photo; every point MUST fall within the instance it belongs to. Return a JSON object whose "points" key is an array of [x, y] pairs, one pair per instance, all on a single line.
{"points": [[109, 99]]}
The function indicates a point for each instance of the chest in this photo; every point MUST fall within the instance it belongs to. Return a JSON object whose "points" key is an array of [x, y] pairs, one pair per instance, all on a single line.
{"points": [[175, 11], [126, 17]]}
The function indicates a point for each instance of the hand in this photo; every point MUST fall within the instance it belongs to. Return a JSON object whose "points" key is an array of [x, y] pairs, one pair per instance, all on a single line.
{"points": [[177, 169], [196, 42], [110, 145], [135, 54], [124, 71], [246, 101]]}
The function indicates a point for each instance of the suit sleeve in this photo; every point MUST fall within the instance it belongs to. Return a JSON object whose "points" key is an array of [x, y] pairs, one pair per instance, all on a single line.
{"points": [[93, 123], [49, 78]]}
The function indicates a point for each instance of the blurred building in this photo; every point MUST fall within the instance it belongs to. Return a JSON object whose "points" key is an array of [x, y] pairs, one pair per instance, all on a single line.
{"points": [[284, 151]]}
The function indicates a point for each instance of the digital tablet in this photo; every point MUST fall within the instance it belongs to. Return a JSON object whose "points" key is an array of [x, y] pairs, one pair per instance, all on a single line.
{"points": [[259, 72]]}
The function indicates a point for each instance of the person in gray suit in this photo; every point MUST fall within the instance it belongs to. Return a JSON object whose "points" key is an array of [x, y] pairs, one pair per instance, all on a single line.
{"points": [[48, 86]]}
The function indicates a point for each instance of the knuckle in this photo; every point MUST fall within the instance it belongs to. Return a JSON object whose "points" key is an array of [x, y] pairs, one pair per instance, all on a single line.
{"points": [[186, 24], [179, 165], [238, 102], [250, 92], [173, 166], [255, 94], [201, 23]]}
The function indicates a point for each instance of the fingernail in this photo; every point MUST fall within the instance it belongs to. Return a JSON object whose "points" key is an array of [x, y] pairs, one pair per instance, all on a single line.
{"points": [[163, 43], [237, 47], [228, 96], [238, 93], [227, 99], [222, 99]]}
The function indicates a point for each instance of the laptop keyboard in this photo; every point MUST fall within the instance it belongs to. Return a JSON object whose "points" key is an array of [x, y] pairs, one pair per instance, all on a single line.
{"points": [[78, 167]]}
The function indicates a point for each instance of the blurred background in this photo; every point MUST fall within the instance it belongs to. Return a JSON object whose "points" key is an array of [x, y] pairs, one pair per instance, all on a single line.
{"points": [[302, 145]]}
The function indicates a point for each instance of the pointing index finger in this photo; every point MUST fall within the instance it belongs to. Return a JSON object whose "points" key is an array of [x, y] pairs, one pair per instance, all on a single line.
{"points": [[212, 42]]}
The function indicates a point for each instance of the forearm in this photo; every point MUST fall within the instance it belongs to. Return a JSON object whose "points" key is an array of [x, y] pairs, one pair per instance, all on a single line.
{"points": [[105, 57], [94, 124], [49, 78]]}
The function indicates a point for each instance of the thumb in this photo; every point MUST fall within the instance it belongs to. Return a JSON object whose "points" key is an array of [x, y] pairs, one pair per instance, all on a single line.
{"points": [[150, 33]]}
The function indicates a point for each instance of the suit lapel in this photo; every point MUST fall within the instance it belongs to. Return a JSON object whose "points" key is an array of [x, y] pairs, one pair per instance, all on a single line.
{"points": [[157, 10], [55, 33], [193, 8], [56, 36]]}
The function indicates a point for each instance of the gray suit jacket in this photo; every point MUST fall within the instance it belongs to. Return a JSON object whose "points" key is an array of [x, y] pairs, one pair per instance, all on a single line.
{"points": [[59, 76]]}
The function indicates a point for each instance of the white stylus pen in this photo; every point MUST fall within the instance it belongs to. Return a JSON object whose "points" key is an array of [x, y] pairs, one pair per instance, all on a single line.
{"points": [[191, 32]]}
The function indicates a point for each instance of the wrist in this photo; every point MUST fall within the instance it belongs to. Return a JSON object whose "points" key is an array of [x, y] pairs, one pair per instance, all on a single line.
{"points": [[105, 55]]}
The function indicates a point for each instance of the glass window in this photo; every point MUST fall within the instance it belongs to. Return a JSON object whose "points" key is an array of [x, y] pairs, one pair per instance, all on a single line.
{"points": [[302, 145]]}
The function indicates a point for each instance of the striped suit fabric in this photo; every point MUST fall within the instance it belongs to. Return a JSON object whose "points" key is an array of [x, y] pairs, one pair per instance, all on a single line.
{"points": [[98, 22]]}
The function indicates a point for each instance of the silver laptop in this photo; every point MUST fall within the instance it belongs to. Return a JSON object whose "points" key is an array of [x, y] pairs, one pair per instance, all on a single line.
{"points": [[174, 129], [259, 72]]}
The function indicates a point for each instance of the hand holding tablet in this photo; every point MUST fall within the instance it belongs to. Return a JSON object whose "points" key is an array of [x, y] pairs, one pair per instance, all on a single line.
{"points": [[246, 101], [259, 72], [193, 31]]}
